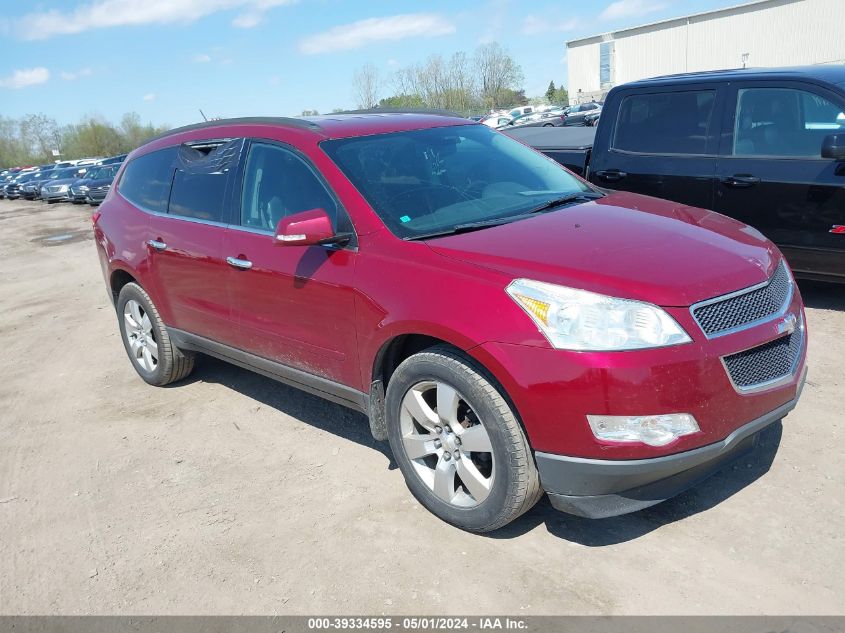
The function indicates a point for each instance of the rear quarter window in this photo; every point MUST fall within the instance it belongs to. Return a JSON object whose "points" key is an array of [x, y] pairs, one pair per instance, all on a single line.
{"points": [[665, 122], [146, 180]]}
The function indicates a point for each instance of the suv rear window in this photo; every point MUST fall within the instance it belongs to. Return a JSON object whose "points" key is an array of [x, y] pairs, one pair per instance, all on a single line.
{"points": [[146, 179], [665, 122]]}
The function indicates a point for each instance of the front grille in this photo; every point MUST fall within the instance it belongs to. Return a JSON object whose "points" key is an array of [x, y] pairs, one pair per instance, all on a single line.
{"points": [[54, 188], [101, 189], [717, 317], [765, 363]]}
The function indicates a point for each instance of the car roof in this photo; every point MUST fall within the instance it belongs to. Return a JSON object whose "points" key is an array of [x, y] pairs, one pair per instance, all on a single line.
{"points": [[331, 126], [829, 73]]}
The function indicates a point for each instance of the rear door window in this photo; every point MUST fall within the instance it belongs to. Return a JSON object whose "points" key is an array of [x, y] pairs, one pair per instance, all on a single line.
{"points": [[666, 122], [146, 180], [783, 122], [200, 180]]}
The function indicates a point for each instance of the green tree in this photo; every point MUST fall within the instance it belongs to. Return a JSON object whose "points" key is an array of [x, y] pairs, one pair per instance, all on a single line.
{"points": [[551, 92]]}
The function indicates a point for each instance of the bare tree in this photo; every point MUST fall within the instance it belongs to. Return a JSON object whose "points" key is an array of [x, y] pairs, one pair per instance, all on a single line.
{"points": [[366, 86], [498, 72]]}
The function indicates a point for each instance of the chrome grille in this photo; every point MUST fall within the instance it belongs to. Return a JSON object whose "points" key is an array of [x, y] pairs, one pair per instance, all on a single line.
{"points": [[765, 363], [718, 316]]}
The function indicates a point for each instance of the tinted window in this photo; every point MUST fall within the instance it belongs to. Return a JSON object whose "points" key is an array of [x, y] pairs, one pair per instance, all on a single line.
{"points": [[665, 123], [278, 183], [146, 179], [783, 122], [426, 181], [198, 196]]}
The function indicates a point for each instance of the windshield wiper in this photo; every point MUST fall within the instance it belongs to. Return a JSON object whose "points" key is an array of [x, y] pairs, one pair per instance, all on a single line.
{"points": [[468, 227], [571, 197], [483, 224]]}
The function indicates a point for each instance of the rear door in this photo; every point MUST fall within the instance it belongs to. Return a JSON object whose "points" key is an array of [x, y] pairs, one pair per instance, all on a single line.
{"points": [[771, 174], [292, 304], [185, 194], [661, 142]]}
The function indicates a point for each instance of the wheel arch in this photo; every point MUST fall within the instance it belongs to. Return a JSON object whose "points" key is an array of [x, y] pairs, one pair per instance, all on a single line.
{"points": [[118, 278], [395, 349]]}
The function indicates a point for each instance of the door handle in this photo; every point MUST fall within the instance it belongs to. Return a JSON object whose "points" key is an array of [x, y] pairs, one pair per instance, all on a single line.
{"points": [[611, 175], [740, 180], [242, 264], [157, 245]]}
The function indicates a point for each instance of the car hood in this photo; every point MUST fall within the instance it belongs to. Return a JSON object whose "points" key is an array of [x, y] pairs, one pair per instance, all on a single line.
{"points": [[99, 182], [624, 245]]}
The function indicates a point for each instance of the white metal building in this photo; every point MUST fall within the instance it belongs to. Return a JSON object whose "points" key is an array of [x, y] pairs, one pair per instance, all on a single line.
{"points": [[761, 33]]}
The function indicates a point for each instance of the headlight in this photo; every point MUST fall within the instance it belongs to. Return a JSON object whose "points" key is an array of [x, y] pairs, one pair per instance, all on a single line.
{"points": [[83, 188], [580, 320]]}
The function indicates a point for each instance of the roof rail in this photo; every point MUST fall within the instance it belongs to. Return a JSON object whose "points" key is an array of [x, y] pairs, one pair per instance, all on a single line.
{"points": [[253, 120], [431, 111]]}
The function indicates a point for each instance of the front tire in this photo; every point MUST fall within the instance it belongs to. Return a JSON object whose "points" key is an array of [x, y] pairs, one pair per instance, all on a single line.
{"points": [[146, 341], [457, 441]]}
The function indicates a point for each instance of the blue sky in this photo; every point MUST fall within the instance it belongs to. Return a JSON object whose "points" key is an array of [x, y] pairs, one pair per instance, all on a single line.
{"points": [[166, 58]]}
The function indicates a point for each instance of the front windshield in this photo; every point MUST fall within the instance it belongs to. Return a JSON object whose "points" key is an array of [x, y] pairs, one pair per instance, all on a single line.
{"points": [[94, 173], [423, 182]]}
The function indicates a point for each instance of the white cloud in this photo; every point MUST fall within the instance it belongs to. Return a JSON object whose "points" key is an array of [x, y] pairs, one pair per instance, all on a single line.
{"points": [[150, 96], [202, 58], [99, 14], [71, 76], [25, 77], [363, 32], [532, 25], [630, 8]]}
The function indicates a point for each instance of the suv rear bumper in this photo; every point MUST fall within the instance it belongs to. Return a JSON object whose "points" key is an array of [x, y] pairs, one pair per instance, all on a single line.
{"points": [[597, 488]]}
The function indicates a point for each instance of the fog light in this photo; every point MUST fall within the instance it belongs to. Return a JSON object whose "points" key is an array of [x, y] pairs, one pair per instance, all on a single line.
{"points": [[654, 430]]}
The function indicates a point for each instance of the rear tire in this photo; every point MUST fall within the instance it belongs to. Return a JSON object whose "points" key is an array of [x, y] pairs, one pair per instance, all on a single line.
{"points": [[457, 441], [153, 355]]}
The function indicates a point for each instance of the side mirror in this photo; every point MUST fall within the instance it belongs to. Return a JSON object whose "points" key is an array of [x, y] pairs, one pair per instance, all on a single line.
{"points": [[833, 146], [307, 228]]}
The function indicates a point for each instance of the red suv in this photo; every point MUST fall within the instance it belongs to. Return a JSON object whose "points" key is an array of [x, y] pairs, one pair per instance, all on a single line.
{"points": [[509, 328]]}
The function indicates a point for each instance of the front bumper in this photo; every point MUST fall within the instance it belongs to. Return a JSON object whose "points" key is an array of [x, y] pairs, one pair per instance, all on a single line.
{"points": [[596, 488]]}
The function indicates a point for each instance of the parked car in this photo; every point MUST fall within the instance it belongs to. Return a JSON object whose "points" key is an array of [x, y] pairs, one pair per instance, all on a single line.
{"points": [[32, 189], [112, 159], [508, 327], [578, 114], [56, 188], [535, 119], [98, 184], [521, 110], [764, 146], [496, 120], [12, 189]]}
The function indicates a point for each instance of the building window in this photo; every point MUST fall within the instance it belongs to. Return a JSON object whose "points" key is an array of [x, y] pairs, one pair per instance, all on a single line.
{"points": [[606, 64]]}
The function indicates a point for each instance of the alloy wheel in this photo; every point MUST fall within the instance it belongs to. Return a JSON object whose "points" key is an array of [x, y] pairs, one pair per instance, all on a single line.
{"points": [[139, 336], [447, 444]]}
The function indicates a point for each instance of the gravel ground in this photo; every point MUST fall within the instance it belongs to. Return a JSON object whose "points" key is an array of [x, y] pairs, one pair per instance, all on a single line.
{"points": [[230, 493]]}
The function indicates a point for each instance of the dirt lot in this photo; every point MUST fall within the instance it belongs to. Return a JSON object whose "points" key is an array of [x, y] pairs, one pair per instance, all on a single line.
{"points": [[231, 493]]}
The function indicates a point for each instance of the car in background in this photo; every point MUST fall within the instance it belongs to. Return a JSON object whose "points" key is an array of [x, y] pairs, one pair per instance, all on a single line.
{"points": [[765, 146], [96, 185], [496, 120], [12, 189], [57, 186], [578, 113], [120, 158], [32, 189], [536, 119], [521, 110]]}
